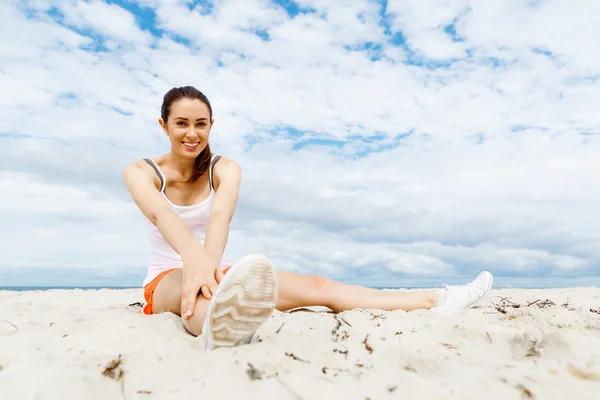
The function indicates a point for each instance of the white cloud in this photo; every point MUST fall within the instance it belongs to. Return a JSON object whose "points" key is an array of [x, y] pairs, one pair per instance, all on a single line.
{"points": [[107, 19], [497, 172]]}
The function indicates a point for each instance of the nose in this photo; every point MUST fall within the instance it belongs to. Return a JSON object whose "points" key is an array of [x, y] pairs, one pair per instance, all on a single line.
{"points": [[192, 132]]}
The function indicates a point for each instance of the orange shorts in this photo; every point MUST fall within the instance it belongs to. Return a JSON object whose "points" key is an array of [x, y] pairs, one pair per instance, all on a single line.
{"points": [[149, 288]]}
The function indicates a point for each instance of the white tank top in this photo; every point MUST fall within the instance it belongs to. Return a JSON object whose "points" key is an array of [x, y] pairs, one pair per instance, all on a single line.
{"points": [[195, 217]]}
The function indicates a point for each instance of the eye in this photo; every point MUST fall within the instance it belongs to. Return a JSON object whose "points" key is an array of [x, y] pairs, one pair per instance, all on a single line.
{"points": [[180, 123], [202, 124]]}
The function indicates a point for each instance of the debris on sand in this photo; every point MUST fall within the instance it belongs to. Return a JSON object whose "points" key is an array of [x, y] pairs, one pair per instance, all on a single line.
{"points": [[292, 356], [253, 373], [278, 330], [526, 392], [11, 329], [113, 369], [367, 345], [581, 374]]}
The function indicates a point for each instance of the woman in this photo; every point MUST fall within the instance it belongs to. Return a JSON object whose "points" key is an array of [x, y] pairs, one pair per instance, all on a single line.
{"points": [[189, 196]]}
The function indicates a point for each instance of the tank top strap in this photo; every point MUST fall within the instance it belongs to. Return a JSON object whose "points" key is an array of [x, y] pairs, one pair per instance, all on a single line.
{"points": [[214, 160], [163, 181]]}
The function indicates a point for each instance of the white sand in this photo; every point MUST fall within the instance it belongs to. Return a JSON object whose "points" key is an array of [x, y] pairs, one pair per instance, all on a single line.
{"points": [[65, 339]]}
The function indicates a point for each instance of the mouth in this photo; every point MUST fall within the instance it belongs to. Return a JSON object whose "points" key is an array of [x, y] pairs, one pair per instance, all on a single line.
{"points": [[191, 145]]}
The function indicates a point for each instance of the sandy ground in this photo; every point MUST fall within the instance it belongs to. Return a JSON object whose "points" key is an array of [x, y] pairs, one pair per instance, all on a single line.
{"points": [[76, 344]]}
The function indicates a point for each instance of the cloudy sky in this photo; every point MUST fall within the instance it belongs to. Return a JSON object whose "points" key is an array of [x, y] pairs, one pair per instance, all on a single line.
{"points": [[387, 143]]}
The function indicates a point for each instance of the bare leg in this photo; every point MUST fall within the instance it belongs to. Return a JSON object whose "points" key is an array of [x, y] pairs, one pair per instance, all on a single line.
{"points": [[297, 290], [167, 298]]}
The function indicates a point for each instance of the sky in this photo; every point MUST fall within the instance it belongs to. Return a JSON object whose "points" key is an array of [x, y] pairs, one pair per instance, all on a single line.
{"points": [[384, 143]]}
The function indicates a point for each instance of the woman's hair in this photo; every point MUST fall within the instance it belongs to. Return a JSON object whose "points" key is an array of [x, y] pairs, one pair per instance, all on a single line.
{"points": [[202, 163]]}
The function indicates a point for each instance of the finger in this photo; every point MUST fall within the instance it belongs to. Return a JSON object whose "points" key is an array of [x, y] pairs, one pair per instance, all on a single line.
{"points": [[212, 285], [206, 292], [219, 274], [188, 303]]}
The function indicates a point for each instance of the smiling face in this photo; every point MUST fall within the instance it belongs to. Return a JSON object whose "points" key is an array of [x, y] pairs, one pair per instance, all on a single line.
{"points": [[188, 127]]}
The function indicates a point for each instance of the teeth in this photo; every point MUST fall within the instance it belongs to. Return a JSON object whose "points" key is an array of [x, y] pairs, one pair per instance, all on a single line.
{"points": [[191, 144]]}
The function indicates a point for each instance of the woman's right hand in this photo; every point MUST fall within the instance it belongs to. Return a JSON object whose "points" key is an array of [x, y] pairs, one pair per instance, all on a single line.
{"points": [[198, 276]]}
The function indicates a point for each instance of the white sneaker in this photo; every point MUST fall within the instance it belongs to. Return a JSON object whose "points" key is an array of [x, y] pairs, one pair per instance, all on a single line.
{"points": [[244, 300], [459, 298]]}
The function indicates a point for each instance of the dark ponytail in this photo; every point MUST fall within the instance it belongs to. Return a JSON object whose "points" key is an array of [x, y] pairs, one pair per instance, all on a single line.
{"points": [[202, 163]]}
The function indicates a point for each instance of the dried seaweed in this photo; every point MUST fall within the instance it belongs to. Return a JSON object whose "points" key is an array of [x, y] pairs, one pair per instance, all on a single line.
{"points": [[144, 392], [534, 350], [136, 304], [113, 369], [344, 352], [291, 355], [335, 332], [367, 345], [597, 311], [526, 392]]}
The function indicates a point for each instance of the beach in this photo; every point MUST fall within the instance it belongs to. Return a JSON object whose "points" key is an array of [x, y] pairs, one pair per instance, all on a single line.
{"points": [[96, 344]]}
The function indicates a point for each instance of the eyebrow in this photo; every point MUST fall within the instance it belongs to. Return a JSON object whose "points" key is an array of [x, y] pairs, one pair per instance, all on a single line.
{"points": [[199, 119]]}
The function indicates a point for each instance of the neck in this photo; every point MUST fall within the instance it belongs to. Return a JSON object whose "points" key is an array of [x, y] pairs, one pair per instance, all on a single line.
{"points": [[184, 166]]}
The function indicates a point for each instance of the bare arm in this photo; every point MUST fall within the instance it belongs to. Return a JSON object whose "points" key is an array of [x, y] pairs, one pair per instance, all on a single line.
{"points": [[141, 184], [227, 177]]}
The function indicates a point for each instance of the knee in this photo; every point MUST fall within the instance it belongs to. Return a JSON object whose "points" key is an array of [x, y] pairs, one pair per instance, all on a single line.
{"points": [[319, 284]]}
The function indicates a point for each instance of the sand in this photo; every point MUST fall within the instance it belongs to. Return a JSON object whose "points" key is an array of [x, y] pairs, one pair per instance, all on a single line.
{"points": [[91, 344]]}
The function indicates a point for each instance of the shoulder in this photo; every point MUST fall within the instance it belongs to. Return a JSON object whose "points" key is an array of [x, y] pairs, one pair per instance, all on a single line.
{"points": [[141, 169], [226, 169]]}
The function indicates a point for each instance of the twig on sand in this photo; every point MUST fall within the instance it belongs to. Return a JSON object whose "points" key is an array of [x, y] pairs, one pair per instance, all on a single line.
{"points": [[597, 311], [136, 304], [546, 303], [377, 316], [289, 389], [346, 322], [295, 310], [11, 324], [489, 337], [280, 328], [532, 303], [504, 303]]}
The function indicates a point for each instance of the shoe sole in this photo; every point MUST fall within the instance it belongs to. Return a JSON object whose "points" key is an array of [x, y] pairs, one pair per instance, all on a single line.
{"points": [[491, 278], [244, 300]]}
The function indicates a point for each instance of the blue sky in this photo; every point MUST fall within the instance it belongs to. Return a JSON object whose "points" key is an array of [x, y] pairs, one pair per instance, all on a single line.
{"points": [[386, 143]]}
